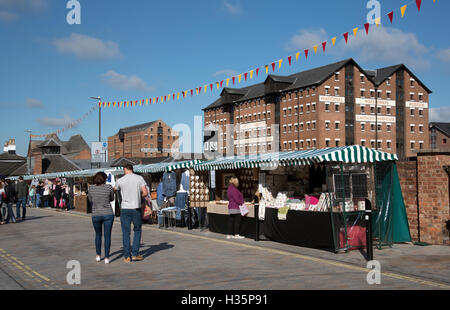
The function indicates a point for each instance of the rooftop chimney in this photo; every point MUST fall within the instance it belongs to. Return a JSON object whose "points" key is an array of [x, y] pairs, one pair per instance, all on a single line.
{"points": [[10, 146]]}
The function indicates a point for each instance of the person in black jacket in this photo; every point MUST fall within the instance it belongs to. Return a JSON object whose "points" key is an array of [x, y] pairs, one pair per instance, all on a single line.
{"points": [[11, 197]]}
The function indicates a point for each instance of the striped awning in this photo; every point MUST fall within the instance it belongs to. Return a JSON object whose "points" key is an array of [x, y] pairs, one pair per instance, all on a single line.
{"points": [[347, 154], [163, 167], [71, 174]]}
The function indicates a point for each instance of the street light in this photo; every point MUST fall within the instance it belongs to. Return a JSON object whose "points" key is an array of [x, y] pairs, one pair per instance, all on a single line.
{"points": [[29, 155], [99, 118], [99, 121]]}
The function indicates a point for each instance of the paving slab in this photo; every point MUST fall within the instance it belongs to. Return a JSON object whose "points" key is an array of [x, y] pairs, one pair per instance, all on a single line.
{"points": [[39, 249]]}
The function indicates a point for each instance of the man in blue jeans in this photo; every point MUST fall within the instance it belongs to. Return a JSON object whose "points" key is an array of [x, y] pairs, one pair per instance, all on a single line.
{"points": [[22, 193], [132, 188]]}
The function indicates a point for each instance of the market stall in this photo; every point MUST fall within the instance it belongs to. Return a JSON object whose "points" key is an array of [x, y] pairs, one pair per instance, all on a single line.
{"points": [[313, 198]]}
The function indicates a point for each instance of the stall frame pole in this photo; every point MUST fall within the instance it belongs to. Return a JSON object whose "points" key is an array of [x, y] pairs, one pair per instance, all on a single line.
{"points": [[331, 201], [256, 221], [346, 247], [369, 239]]}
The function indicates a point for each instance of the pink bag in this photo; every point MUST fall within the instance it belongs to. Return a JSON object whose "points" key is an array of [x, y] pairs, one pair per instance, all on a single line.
{"points": [[244, 209]]}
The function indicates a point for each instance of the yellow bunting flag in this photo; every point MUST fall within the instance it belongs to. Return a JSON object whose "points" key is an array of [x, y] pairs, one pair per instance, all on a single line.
{"points": [[355, 31], [239, 78], [217, 83], [267, 69], [315, 49], [146, 101], [403, 10], [280, 62], [168, 97], [251, 74], [333, 41], [228, 81], [297, 55], [178, 96], [378, 21]]}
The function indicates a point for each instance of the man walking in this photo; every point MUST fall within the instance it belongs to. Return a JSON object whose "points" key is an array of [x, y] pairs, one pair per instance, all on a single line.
{"points": [[132, 188], [22, 193]]}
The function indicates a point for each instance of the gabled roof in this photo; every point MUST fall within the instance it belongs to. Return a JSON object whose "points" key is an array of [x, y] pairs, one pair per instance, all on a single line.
{"points": [[76, 144], [442, 127], [383, 74], [137, 127], [49, 142], [57, 163]]}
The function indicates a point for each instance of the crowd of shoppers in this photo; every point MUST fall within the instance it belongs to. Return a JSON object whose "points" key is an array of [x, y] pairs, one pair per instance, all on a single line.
{"points": [[40, 194]]}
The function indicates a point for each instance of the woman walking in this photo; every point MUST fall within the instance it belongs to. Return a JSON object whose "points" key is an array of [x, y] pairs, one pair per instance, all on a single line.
{"points": [[100, 196], [235, 199], [11, 198], [2, 203]]}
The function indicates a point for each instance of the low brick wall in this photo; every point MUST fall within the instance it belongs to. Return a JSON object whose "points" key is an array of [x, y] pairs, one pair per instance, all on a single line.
{"points": [[426, 180]]}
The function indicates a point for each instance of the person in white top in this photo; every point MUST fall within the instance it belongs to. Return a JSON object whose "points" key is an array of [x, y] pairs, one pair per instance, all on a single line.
{"points": [[132, 189]]}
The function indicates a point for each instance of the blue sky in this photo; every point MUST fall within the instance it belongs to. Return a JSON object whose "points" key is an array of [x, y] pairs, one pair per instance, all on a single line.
{"points": [[136, 49]]}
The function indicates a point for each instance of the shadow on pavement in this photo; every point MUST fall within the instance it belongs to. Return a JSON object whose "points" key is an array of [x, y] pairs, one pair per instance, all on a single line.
{"points": [[146, 252]]}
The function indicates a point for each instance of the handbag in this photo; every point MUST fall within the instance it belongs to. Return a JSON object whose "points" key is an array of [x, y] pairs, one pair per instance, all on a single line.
{"points": [[244, 210], [117, 204]]}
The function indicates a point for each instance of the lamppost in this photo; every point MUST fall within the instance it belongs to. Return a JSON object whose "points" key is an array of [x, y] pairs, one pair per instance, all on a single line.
{"points": [[376, 118], [29, 155], [99, 121]]}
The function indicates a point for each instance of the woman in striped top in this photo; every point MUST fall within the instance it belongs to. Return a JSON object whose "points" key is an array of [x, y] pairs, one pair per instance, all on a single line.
{"points": [[100, 196]]}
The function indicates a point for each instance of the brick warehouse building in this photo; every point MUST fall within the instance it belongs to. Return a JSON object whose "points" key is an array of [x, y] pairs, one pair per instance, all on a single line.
{"points": [[153, 139], [329, 106]]}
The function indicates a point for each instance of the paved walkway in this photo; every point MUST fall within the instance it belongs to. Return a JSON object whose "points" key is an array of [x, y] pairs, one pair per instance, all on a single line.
{"points": [[34, 254]]}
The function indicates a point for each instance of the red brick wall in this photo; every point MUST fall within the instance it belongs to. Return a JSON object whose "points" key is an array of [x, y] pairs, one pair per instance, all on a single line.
{"points": [[433, 197]]}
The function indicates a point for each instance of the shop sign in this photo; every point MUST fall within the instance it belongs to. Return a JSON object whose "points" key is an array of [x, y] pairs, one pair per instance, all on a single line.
{"points": [[381, 102], [414, 104], [332, 99], [372, 118]]}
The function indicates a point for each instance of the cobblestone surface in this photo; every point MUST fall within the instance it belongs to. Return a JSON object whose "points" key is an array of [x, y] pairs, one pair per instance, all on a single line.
{"points": [[34, 254]]}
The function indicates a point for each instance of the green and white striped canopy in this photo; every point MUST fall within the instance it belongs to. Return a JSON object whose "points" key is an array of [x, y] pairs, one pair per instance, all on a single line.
{"points": [[347, 154], [70, 174], [163, 167]]}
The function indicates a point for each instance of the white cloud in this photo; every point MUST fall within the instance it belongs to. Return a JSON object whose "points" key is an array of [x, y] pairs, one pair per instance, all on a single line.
{"points": [[307, 38], [440, 114], [33, 103], [10, 10], [124, 82], [85, 47], [56, 122], [233, 9], [385, 44], [6, 16], [226, 72], [444, 55]]}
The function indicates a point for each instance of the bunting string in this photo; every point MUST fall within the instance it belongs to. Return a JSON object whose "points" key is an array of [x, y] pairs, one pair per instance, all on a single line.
{"points": [[270, 67], [69, 125]]}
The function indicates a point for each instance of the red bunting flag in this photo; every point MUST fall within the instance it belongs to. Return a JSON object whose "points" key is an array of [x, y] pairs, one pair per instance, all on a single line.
{"points": [[418, 2], [157, 99], [367, 28], [346, 37], [245, 76], [165, 99], [199, 89], [211, 85], [221, 83], [391, 16], [273, 66], [173, 97], [192, 92], [257, 71], [324, 45], [150, 100], [306, 53], [290, 60], [233, 78]]}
